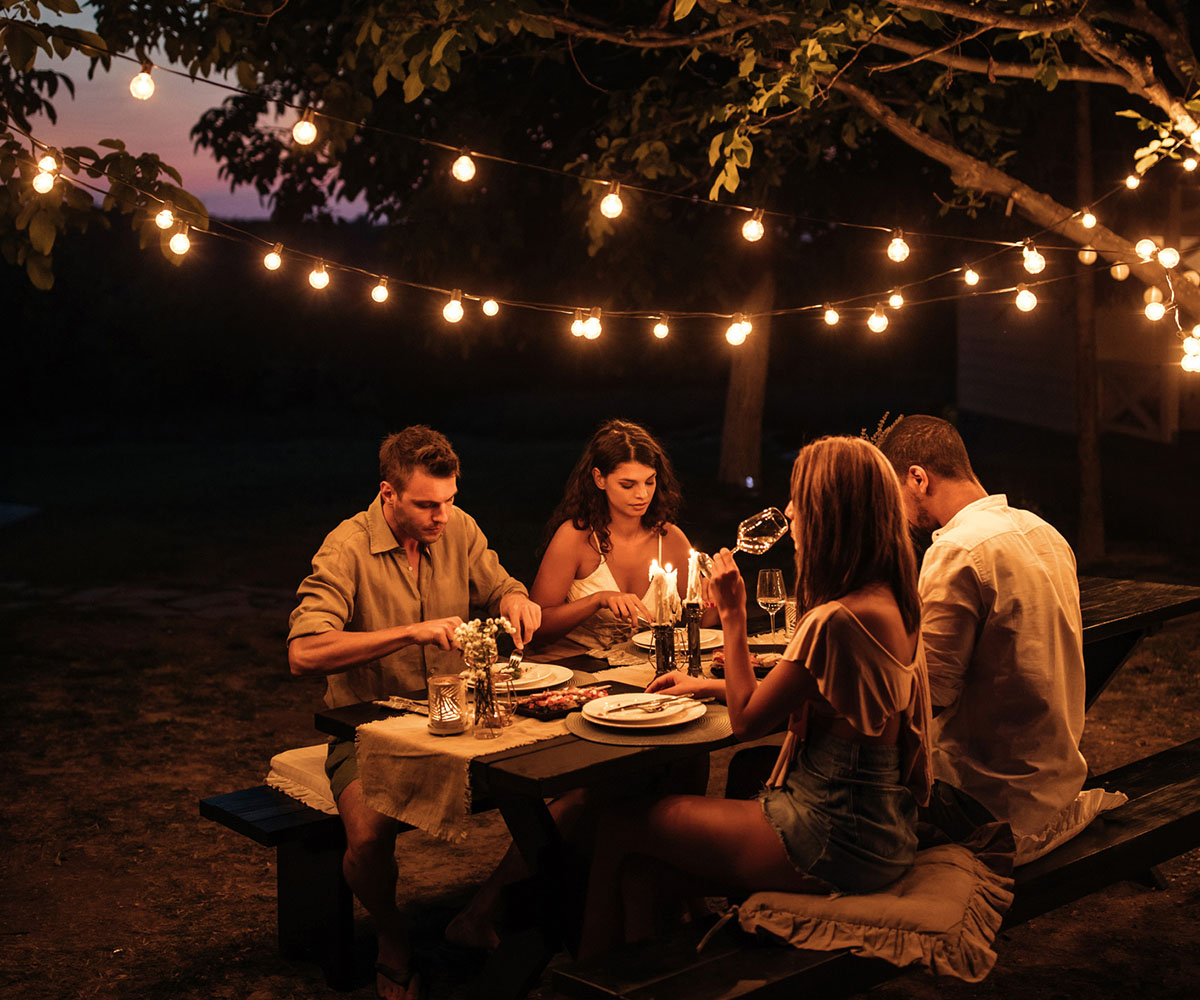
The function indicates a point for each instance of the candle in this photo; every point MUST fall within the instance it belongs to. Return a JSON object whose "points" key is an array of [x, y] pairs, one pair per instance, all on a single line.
{"points": [[670, 595], [656, 579], [693, 577], [446, 705]]}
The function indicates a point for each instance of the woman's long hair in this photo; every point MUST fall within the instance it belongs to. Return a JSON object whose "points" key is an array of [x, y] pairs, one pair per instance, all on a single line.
{"points": [[585, 505], [850, 528]]}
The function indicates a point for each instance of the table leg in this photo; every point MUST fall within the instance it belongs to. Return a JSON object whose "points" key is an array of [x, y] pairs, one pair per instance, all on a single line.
{"points": [[1104, 658]]}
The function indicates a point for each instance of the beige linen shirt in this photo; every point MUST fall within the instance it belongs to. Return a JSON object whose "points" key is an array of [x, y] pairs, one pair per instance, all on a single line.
{"points": [[1003, 640], [362, 581]]}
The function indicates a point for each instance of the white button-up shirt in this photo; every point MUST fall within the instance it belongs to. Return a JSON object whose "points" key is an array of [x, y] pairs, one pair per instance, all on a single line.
{"points": [[1003, 638]]}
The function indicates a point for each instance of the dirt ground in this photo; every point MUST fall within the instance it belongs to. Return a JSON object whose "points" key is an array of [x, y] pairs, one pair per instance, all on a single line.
{"points": [[137, 677]]}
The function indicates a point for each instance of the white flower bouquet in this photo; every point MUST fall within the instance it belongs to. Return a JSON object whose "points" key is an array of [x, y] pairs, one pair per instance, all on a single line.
{"points": [[477, 640]]}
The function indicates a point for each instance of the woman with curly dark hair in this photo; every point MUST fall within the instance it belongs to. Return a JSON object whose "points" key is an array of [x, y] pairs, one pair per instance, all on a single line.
{"points": [[615, 517]]}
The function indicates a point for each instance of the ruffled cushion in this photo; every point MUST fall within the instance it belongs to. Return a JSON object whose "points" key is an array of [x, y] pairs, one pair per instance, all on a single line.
{"points": [[1087, 805], [300, 773], [944, 914]]}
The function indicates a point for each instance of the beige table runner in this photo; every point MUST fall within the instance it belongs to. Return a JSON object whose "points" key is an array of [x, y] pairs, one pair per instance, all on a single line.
{"points": [[423, 780]]}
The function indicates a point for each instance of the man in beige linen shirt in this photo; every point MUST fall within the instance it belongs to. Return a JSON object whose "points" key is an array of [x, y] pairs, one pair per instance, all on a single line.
{"points": [[378, 612], [1002, 631]]}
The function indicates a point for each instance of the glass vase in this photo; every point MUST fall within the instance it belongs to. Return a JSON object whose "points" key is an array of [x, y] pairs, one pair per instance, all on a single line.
{"points": [[489, 719]]}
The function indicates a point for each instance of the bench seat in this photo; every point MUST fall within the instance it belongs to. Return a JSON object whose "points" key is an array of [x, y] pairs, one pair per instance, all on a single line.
{"points": [[1160, 821]]}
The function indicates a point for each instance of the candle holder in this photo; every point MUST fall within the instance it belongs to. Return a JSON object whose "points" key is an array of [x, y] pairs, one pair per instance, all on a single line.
{"points": [[447, 705], [664, 649], [691, 618]]}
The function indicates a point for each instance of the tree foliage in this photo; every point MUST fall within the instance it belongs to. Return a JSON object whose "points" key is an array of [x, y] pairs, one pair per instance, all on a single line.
{"points": [[712, 98]]}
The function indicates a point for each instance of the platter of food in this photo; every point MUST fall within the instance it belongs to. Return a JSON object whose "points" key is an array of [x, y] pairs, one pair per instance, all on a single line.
{"points": [[532, 677], [557, 704], [760, 662]]}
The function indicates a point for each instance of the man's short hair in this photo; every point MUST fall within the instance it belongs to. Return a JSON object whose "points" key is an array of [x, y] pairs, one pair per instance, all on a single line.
{"points": [[416, 447], [929, 442]]}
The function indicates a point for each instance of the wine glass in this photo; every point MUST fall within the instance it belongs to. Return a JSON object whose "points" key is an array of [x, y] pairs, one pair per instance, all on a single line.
{"points": [[771, 595], [755, 535]]}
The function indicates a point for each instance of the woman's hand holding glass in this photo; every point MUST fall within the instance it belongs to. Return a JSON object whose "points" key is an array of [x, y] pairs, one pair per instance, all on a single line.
{"points": [[725, 587]]}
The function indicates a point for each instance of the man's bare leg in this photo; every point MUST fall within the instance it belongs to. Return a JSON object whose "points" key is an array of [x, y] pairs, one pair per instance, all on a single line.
{"points": [[370, 869]]}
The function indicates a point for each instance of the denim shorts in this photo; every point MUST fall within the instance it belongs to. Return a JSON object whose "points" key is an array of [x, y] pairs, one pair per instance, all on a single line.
{"points": [[843, 815]]}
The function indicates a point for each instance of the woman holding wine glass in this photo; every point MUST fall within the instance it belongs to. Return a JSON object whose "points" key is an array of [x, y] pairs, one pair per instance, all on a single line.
{"points": [[852, 690]]}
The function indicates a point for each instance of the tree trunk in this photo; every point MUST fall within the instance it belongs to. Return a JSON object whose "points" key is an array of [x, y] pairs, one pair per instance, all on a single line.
{"points": [[1090, 541], [741, 435]]}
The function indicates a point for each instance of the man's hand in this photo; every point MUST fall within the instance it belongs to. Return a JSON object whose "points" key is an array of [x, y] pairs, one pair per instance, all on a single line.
{"points": [[435, 632], [523, 614]]}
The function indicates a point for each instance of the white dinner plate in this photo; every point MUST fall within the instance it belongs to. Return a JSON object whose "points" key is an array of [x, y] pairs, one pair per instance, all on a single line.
{"points": [[536, 676], [600, 711], [710, 638]]}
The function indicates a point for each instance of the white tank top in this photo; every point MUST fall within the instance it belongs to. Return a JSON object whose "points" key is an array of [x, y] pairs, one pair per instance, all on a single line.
{"points": [[603, 628]]}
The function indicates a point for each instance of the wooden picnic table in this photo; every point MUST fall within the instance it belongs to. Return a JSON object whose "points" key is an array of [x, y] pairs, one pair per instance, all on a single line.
{"points": [[1117, 614]]}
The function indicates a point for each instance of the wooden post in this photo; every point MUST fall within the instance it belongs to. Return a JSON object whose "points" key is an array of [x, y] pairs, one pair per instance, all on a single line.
{"points": [[741, 434]]}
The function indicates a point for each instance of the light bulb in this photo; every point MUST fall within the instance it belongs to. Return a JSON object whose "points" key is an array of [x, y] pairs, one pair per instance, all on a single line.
{"points": [[662, 328], [305, 131], [738, 330], [896, 299], [877, 321], [1035, 263], [1189, 164], [1087, 220], [274, 257], [318, 277], [142, 85], [831, 316], [1132, 181], [380, 292], [1190, 363], [611, 205], [898, 249], [577, 324], [165, 218], [1192, 276], [1155, 311], [1152, 294], [452, 311], [592, 327], [971, 276], [43, 182], [179, 243], [463, 168], [1145, 248], [48, 164], [1191, 345], [1087, 255], [752, 228], [1119, 271], [1026, 300], [490, 307], [1168, 257]]}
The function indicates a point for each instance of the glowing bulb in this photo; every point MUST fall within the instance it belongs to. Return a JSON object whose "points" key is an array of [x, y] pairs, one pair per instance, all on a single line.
{"points": [[611, 205], [1191, 345], [1087, 220], [662, 328], [318, 277], [1119, 271], [877, 321], [1035, 263], [1087, 255], [380, 292], [1152, 294], [1155, 311], [179, 243], [1190, 164], [452, 311], [1168, 257], [43, 182], [1192, 276], [48, 164], [592, 327], [1189, 363], [896, 299], [165, 218], [898, 249], [1145, 248], [305, 131], [752, 228], [463, 168], [1026, 300], [274, 257], [971, 276], [831, 316], [142, 85], [738, 330], [490, 307], [1132, 181], [577, 324]]}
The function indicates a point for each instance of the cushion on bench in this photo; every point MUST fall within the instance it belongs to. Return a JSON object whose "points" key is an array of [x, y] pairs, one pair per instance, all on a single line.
{"points": [[944, 914], [300, 773]]}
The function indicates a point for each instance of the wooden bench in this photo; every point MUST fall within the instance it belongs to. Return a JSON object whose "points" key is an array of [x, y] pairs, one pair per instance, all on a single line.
{"points": [[314, 904], [1160, 821]]}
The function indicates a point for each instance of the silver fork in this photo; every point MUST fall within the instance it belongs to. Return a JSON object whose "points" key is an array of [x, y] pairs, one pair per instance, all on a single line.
{"points": [[514, 661]]}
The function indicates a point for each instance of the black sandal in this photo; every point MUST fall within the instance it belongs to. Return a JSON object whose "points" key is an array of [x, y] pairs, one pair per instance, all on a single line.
{"points": [[404, 981]]}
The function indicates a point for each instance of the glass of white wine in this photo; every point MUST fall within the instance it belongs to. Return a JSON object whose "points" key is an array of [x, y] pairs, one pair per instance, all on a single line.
{"points": [[771, 595], [755, 535]]}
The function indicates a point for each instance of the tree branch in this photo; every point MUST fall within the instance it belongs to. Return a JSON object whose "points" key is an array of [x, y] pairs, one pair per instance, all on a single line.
{"points": [[653, 38], [991, 18]]}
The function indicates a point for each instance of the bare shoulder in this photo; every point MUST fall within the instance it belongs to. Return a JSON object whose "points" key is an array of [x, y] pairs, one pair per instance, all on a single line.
{"points": [[675, 542], [569, 538], [876, 609]]}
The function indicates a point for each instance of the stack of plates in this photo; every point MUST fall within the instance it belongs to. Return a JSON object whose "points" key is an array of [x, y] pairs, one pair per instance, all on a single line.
{"points": [[603, 711]]}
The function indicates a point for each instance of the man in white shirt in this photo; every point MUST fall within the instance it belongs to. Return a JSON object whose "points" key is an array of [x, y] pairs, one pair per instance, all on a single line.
{"points": [[1003, 636]]}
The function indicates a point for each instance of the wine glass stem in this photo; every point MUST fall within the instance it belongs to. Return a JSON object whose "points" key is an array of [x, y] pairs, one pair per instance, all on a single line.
{"points": [[772, 626]]}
